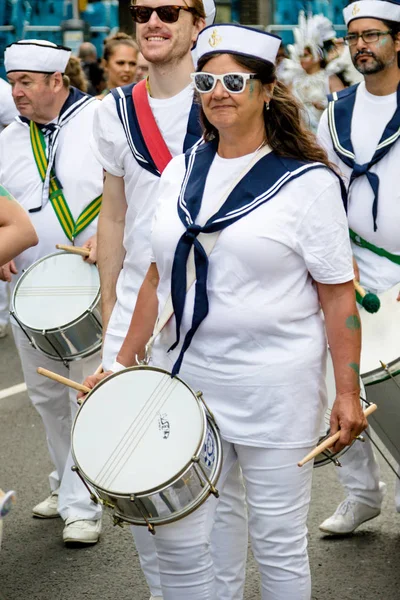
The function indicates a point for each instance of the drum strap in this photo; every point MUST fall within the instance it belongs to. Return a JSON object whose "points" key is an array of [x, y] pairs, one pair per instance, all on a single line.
{"points": [[359, 241], [70, 227]]}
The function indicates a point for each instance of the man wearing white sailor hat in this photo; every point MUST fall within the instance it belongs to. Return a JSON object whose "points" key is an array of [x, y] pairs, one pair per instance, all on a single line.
{"points": [[47, 165], [166, 34], [254, 309], [361, 132]]}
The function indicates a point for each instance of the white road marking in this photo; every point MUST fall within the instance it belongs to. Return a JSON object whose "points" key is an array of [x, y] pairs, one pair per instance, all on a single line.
{"points": [[11, 391]]}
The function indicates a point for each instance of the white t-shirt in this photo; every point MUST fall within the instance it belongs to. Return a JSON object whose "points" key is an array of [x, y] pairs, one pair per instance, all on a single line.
{"points": [[8, 109], [259, 354], [141, 189], [76, 167], [370, 117]]}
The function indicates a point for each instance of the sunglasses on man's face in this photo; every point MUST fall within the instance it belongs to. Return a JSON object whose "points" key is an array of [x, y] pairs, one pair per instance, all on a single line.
{"points": [[234, 83], [166, 14]]}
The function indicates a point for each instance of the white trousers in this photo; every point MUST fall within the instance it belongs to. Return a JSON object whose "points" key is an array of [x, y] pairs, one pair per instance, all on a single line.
{"points": [[228, 536], [360, 475], [4, 303], [278, 497], [57, 407]]}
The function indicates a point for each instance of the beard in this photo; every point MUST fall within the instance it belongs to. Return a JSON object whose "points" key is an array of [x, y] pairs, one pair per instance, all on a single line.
{"points": [[375, 66]]}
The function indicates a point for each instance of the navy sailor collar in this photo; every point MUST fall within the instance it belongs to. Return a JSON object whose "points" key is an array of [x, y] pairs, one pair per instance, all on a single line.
{"points": [[340, 116], [262, 183]]}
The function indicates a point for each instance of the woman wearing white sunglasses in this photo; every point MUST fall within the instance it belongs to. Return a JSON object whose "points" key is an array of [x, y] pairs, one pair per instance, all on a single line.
{"points": [[250, 333]]}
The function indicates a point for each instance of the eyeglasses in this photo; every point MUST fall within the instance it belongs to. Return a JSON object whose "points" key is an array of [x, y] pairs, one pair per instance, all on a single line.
{"points": [[166, 14], [234, 83], [369, 37]]}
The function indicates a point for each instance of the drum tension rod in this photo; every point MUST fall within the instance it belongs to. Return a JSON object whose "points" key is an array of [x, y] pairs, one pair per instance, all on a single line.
{"points": [[48, 340], [137, 503], [201, 398], [386, 368], [213, 489], [117, 521], [331, 458], [93, 498]]}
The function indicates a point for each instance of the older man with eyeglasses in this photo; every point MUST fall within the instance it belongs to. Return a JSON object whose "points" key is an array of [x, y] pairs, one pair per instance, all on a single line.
{"points": [[361, 131]]}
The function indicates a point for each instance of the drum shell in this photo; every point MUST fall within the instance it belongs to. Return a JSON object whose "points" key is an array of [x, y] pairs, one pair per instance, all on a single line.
{"points": [[383, 391], [74, 340], [382, 386], [175, 500]]}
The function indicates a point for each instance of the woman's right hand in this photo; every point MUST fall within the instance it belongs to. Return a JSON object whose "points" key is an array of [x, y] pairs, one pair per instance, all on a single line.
{"points": [[92, 381]]}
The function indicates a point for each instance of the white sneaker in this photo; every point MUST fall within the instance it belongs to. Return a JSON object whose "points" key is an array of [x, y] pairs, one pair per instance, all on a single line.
{"points": [[81, 531], [3, 331], [348, 516], [48, 509]]}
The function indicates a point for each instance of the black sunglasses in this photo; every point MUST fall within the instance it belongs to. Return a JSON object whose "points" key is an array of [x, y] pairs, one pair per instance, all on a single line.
{"points": [[166, 14]]}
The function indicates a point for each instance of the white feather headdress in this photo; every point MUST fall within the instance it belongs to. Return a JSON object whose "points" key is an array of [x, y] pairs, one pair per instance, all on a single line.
{"points": [[311, 32]]}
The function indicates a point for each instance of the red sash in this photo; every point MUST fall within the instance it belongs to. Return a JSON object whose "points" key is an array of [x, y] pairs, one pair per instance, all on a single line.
{"points": [[153, 139]]}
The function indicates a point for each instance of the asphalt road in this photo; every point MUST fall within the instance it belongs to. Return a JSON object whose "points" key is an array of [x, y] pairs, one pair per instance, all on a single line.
{"points": [[35, 565]]}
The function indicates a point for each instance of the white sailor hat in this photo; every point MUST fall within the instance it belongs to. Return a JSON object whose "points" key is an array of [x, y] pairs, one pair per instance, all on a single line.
{"points": [[209, 9], [37, 56], [386, 10], [227, 38]]}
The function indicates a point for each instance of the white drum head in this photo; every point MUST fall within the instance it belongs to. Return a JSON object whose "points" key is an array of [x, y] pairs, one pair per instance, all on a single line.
{"points": [[137, 431], [380, 340], [55, 291]]}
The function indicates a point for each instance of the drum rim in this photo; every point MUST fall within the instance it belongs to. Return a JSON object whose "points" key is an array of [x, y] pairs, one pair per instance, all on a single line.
{"points": [[178, 475], [379, 375], [13, 309], [335, 455]]}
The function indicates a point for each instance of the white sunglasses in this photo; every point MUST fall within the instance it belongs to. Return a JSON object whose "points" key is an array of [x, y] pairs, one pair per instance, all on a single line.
{"points": [[234, 83]]}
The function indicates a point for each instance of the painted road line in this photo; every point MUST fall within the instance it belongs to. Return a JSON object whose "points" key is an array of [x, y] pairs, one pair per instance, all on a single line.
{"points": [[11, 391]]}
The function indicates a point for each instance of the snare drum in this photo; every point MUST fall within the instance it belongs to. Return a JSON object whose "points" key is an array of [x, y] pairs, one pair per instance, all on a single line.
{"points": [[56, 302], [148, 446], [380, 342], [328, 457]]}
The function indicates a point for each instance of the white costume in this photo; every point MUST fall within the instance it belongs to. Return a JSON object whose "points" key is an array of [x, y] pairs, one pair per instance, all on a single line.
{"points": [[141, 192], [266, 389], [312, 31], [377, 273], [360, 472], [7, 113], [82, 180]]}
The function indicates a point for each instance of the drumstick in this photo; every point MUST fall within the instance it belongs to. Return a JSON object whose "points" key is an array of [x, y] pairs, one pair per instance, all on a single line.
{"points": [[98, 370], [64, 380], [74, 249], [369, 301], [331, 440]]}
